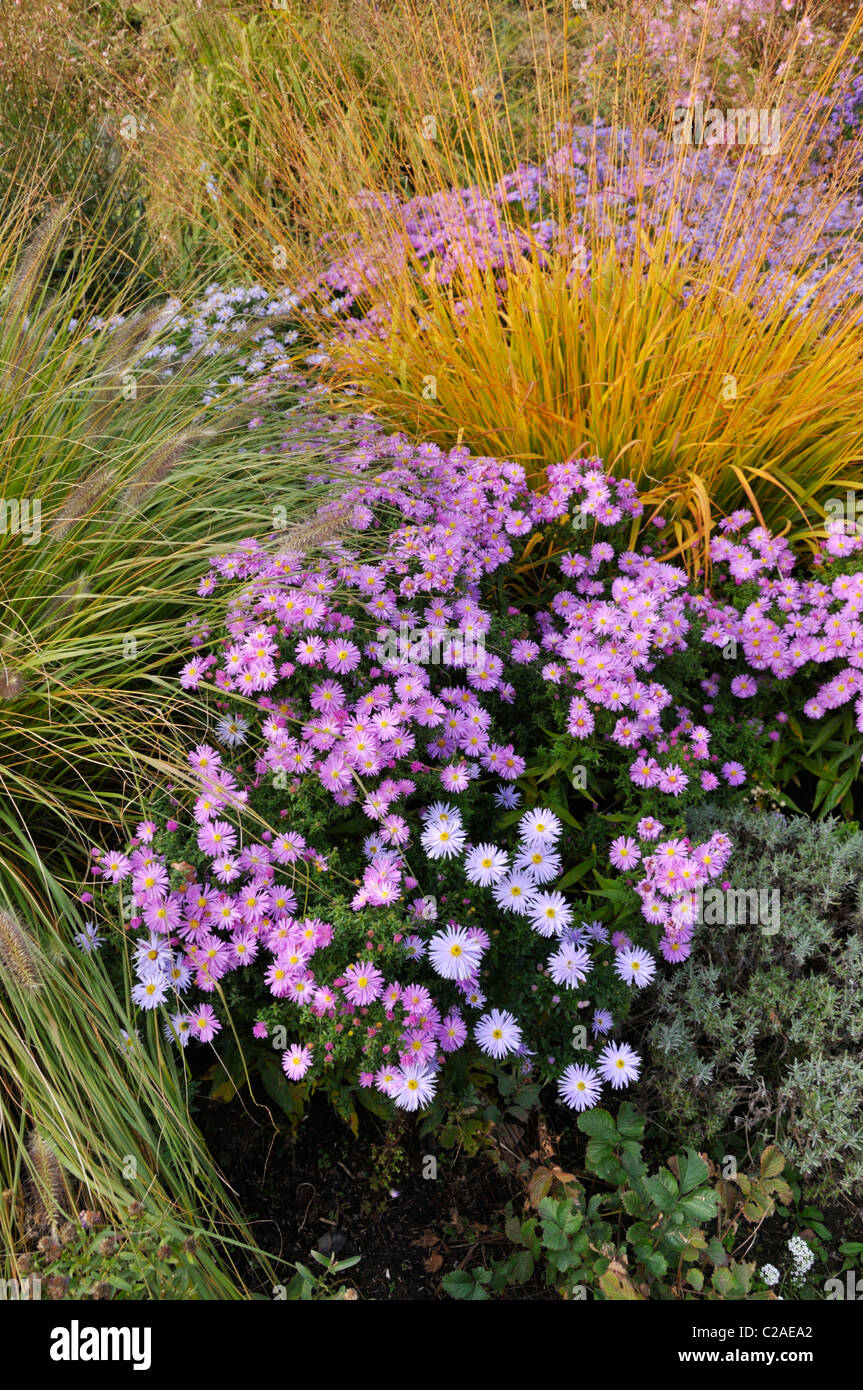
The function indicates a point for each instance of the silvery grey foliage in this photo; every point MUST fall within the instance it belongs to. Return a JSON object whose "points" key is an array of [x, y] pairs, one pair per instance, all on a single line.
{"points": [[763, 1035]]}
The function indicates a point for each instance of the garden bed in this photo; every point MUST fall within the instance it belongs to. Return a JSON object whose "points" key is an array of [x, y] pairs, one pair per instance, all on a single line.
{"points": [[431, 705]]}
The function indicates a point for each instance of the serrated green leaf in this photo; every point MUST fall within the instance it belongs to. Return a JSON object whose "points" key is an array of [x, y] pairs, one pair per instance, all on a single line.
{"points": [[599, 1124], [522, 1267], [662, 1190], [629, 1123], [693, 1170], [461, 1285], [632, 1203], [699, 1206]]}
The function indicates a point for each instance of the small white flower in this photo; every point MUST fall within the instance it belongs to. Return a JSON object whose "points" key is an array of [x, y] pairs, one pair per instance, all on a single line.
{"points": [[803, 1258]]}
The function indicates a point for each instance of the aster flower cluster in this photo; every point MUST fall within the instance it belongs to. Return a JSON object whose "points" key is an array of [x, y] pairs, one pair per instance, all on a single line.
{"points": [[429, 756], [605, 173], [709, 41], [670, 876], [240, 330], [793, 624]]}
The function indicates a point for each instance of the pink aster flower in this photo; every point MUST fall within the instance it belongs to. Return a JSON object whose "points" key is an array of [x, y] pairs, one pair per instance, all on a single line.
{"points": [[278, 979], [673, 780], [645, 772], [301, 989], [364, 982], [205, 1025], [116, 867], [193, 672], [335, 774], [674, 949], [149, 882], [417, 1046], [387, 1080], [394, 830], [309, 651], [204, 760], [624, 852], [455, 777], [162, 915], [342, 656], [649, 829], [296, 1061], [325, 1000], [744, 687], [452, 1032], [217, 838], [416, 1000]]}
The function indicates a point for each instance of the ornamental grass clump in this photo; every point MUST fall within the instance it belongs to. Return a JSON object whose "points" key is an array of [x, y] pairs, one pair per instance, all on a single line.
{"points": [[132, 444], [94, 1121], [128, 455], [633, 282]]}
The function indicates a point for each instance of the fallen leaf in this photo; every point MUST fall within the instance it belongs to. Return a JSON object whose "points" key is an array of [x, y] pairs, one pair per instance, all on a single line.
{"points": [[540, 1185]]}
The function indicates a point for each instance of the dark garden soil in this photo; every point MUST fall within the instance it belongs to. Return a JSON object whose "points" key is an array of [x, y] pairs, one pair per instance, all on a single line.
{"points": [[323, 1188]]}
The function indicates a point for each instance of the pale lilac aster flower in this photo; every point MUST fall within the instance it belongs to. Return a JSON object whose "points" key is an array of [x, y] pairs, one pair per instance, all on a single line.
{"points": [[619, 1064], [635, 966], [485, 865], [454, 954], [414, 1086], [513, 892], [498, 1033], [88, 939], [541, 865], [539, 828], [549, 913], [579, 1087], [570, 965]]}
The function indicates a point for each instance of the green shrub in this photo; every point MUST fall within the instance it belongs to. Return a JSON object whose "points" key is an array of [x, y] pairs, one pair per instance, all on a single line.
{"points": [[760, 1033]]}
